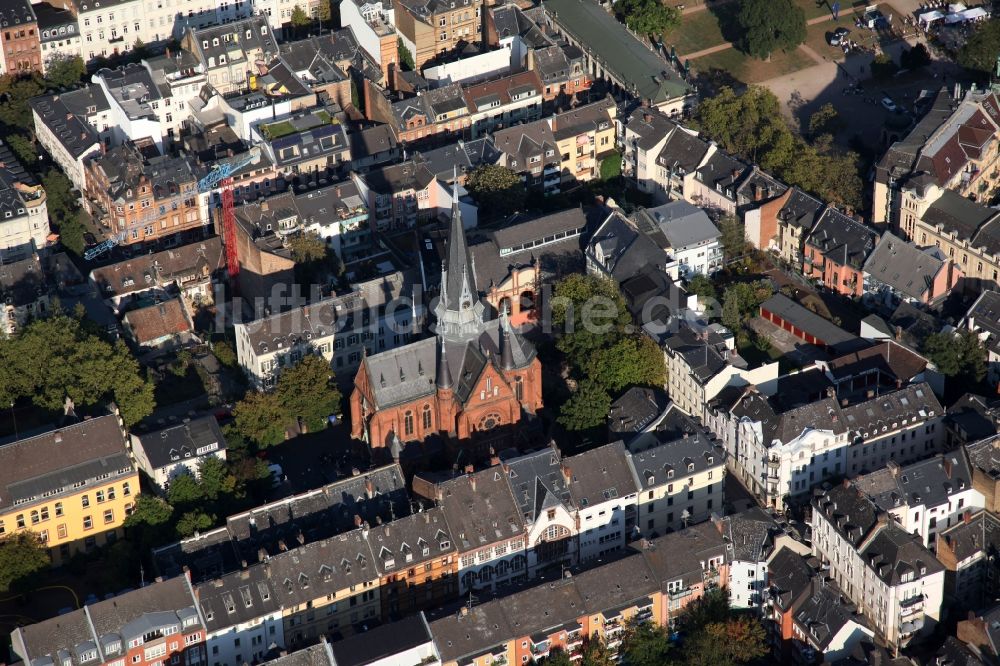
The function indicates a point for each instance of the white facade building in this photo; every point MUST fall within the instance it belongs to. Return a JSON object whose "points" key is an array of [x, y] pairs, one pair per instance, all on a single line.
{"points": [[604, 491], [265, 346], [180, 449]]}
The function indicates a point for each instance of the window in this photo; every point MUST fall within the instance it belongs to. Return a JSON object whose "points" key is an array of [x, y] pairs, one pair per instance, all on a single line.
{"points": [[427, 417], [59, 509], [100, 496], [61, 531], [109, 516], [85, 500], [34, 517], [88, 522], [519, 388], [111, 493], [45, 512], [20, 521], [408, 423], [126, 490]]}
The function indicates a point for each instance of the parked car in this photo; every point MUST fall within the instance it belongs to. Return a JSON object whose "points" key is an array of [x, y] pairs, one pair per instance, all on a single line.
{"points": [[277, 474], [888, 104], [837, 36]]}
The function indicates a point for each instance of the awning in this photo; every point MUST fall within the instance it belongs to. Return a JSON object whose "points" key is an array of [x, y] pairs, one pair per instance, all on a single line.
{"points": [[929, 17]]}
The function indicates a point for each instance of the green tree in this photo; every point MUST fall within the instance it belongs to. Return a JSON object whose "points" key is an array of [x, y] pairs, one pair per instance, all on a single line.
{"points": [[22, 555], [184, 490], [648, 17], [981, 49], [733, 237], [64, 211], [300, 18], [215, 479], [712, 607], [883, 66], [734, 642], [314, 260], [595, 653], [587, 408], [16, 93], [825, 120], [771, 25], [323, 12], [556, 657], [55, 357], [957, 354], [224, 353], [646, 644], [497, 189], [194, 521], [702, 287], [307, 391], [23, 148], [149, 511], [260, 418], [572, 294], [632, 361], [64, 71], [915, 58], [742, 300], [748, 124], [405, 58]]}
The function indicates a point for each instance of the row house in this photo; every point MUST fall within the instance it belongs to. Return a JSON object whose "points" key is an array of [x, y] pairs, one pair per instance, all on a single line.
{"points": [[968, 550], [562, 70], [232, 55], [140, 109], [808, 619], [24, 225], [399, 195], [73, 486], [836, 251], [716, 182], [896, 583], [71, 126], [376, 496], [141, 200], [602, 484], [680, 480], [441, 113], [531, 151], [664, 577], [643, 135], [324, 63], [782, 449], [24, 293], [584, 137], [688, 236], [953, 147], [795, 219], [189, 271], [926, 496], [898, 271], [429, 28], [59, 33], [308, 145], [20, 39], [983, 318], [158, 623], [506, 101]]}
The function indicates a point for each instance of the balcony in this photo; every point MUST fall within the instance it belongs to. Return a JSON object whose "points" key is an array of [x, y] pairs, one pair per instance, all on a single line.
{"points": [[911, 627], [674, 595]]}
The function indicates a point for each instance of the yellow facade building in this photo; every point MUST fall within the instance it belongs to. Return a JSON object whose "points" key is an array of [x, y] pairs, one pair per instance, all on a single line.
{"points": [[73, 486]]}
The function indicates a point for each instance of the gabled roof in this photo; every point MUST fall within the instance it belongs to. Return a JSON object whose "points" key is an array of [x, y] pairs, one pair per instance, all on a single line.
{"points": [[599, 475], [903, 266], [179, 442], [537, 483], [160, 268], [842, 240]]}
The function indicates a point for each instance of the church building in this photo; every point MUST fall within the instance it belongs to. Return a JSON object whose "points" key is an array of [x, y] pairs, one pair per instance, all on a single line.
{"points": [[474, 379]]}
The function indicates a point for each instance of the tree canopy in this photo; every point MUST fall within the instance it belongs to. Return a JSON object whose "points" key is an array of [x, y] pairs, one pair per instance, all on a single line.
{"points": [[750, 125], [64, 71], [64, 211], [959, 354], [771, 25], [22, 555], [497, 189], [56, 357], [981, 49], [741, 301], [648, 17], [604, 353], [300, 18]]}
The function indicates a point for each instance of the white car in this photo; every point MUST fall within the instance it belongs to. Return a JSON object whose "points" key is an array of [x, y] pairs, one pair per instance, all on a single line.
{"points": [[889, 104]]}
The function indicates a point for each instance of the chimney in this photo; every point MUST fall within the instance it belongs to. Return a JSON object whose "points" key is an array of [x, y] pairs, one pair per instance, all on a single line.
{"points": [[281, 546], [469, 469], [967, 517], [870, 393], [899, 383], [262, 554], [357, 520], [843, 402], [648, 117], [338, 191], [567, 473], [472, 482], [369, 488], [847, 483], [946, 464], [830, 392], [899, 333], [494, 460], [758, 192], [893, 467]]}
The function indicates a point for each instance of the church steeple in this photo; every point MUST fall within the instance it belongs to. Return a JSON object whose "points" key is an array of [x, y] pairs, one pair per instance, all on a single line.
{"points": [[459, 311], [506, 342], [443, 371]]}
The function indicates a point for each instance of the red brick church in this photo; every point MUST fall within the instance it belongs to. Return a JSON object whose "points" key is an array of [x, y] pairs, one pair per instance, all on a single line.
{"points": [[475, 376]]}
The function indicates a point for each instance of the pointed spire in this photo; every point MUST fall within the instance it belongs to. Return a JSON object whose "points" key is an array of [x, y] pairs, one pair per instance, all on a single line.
{"points": [[459, 283], [506, 342], [443, 371]]}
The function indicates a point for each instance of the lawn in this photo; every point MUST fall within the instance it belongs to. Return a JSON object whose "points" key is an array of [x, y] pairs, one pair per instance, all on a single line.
{"points": [[697, 31], [611, 166], [277, 130], [751, 70]]}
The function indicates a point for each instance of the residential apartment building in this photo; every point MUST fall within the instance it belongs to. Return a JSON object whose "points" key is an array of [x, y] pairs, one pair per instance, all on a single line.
{"points": [[925, 497], [243, 617], [73, 486], [966, 550], [896, 583], [664, 577], [429, 28], [110, 28], [584, 137], [702, 363], [509, 100], [20, 43], [417, 559], [602, 485], [688, 237], [984, 457], [24, 227], [138, 108], [231, 54], [898, 271], [188, 271], [310, 144], [179, 449], [952, 147], [836, 251], [24, 293], [795, 221], [785, 448], [440, 113], [644, 135], [58, 31], [71, 127], [139, 200], [265, 346], [983, 318], [487, 525], [531, 152], [680, 480], [158, 623]]}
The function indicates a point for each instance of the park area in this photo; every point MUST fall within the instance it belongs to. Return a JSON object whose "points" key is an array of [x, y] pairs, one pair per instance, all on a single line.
{"points": [[707, 33]]}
